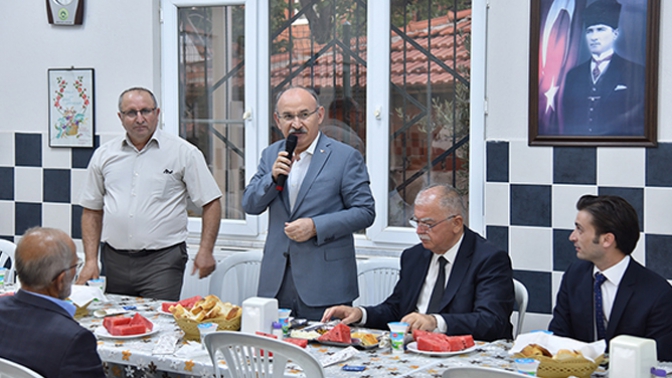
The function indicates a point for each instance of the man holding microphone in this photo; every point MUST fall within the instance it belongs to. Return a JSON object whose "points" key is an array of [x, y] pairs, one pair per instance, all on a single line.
{"points": [[309, 258]]}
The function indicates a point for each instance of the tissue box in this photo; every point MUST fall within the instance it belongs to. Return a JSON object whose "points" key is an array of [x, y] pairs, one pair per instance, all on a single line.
{"points": [[259, 314], [631, 357]]}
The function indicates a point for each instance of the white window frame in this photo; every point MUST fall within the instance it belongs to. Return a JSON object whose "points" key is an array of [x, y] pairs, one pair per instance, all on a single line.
{"points": [[257, 76], [254, 74]]}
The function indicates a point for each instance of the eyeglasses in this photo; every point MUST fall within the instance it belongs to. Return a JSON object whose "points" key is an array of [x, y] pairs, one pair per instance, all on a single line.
{"points": [[289, 117], [78, 265], [131, 114], [424, 226]]}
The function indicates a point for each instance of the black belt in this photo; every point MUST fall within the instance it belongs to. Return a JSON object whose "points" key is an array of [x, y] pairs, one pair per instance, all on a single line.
{"points": [[142, 252]]}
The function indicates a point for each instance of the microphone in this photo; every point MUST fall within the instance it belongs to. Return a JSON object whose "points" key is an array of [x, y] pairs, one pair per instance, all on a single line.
{"points": [[290, 145]]}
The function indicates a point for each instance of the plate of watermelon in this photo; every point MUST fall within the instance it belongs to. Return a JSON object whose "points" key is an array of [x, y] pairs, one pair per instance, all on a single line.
{"points": [[441, 345], [341, 336], [126, 327], [187, 303]]}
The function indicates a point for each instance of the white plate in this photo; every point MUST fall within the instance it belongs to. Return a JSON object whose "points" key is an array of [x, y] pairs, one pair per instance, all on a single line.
{"points": [[102, 332], [413, 347]]}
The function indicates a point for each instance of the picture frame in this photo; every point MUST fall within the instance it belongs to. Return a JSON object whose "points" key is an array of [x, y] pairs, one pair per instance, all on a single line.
{"points": [[71, 107], [571, 103]]}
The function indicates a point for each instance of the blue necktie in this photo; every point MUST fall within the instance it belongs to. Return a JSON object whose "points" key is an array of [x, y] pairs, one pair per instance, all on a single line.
{"points": [[439, 287], [599, 312]]}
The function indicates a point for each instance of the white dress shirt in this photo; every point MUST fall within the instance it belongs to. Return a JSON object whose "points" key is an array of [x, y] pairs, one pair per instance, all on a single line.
{"points": [[428, 286], [298, 171], [610, 287]]}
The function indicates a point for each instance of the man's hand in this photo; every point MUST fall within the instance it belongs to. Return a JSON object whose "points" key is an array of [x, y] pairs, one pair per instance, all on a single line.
{"points": [[281, 166], [204, 262], [419, 321], [300, 230], [89, 271], [346, 313]]}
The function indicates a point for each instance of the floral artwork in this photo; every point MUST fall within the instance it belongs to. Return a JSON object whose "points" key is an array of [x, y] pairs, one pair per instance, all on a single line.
{"points": [[71, 108]]}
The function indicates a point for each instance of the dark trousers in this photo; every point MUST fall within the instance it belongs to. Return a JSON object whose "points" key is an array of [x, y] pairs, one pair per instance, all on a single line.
{"points": [[145, 273], [289, 298]]}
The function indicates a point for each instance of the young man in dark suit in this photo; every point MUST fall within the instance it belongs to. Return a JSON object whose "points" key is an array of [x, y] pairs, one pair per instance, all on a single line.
{"points": [[37, 327], [470, 293], [607, 293]]}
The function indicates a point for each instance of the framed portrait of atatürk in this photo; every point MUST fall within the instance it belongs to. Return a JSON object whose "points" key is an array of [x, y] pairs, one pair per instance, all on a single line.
{"points": [[593, 72]]}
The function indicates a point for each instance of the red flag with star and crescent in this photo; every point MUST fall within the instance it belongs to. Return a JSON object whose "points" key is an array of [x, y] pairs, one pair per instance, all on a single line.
{"points": [[560, 36]]}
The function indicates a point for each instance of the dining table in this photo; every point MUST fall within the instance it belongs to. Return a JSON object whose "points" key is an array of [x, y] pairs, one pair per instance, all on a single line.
{"points": [[165, 353]]}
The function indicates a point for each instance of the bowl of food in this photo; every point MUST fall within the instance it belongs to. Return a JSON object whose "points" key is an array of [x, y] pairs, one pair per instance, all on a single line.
{"points": [[563, 364], [207, 310]]}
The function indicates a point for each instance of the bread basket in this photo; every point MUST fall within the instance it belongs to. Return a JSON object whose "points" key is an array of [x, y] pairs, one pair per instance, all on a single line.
{"points": [[190, 326], [207, 310], [575, 366]]}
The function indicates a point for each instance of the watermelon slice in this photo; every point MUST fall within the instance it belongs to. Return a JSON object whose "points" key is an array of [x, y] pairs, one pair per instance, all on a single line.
{"points": [[186, 303], [462, 341], [127, 330], [338, 334], [298, 342], [114, 321], [417, 333], [431, 344], [261, 351], [438, 342], [141, 320]]}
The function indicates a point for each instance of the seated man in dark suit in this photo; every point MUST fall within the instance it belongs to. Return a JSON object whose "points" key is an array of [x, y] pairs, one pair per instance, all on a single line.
{"points": [[469, 292], [37, 327], [634, 300]]}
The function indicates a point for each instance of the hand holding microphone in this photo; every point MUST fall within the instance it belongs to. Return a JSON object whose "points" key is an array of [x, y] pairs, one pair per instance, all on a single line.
{"points": [[290, 145]]}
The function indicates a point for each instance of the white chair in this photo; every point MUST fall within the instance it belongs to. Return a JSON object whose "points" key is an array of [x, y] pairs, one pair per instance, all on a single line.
{"points": [[7, 249], [237, 348], [9, 369], [237, 277], [521, 300], [479, 372], [376, 278]]}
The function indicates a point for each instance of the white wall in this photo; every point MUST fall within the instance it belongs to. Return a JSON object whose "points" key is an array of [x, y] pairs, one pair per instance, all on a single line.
{"points": [[119, 39]]}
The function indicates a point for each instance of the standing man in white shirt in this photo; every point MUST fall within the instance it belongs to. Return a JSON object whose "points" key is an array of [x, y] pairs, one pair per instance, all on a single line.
{"points": [[135, 202]]}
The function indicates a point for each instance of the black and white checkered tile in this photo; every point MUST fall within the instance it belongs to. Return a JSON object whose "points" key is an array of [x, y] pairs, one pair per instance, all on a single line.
{"points": [[38, 185], [530, 200]]}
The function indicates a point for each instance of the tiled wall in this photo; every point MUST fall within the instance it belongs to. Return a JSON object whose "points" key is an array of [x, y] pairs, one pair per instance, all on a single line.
{"points": [[530, 201], [39, 184]]}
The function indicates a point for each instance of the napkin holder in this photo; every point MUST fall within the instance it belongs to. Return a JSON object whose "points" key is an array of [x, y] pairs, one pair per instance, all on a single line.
{"points": [[631, 357], [259, 314]]}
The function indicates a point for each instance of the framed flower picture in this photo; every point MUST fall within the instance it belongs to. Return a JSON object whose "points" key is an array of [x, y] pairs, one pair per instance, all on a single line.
{"points": [[71, 107]]}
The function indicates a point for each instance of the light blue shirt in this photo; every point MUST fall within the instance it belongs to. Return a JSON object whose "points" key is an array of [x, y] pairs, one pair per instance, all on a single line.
{"points": [[67, 306]]}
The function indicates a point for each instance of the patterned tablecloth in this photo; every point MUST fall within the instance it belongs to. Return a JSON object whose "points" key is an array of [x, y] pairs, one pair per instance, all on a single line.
{"points": [[135, 357]]}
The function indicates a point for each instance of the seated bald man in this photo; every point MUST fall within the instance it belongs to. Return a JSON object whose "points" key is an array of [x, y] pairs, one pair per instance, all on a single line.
{"points": [[37, 327]]}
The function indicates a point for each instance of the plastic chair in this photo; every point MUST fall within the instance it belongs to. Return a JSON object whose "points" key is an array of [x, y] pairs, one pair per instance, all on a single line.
{"points": [[238, 347], [479, 372], [9, 369], [521, 300], [376, 278], [237, 277], [7, 249]]}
